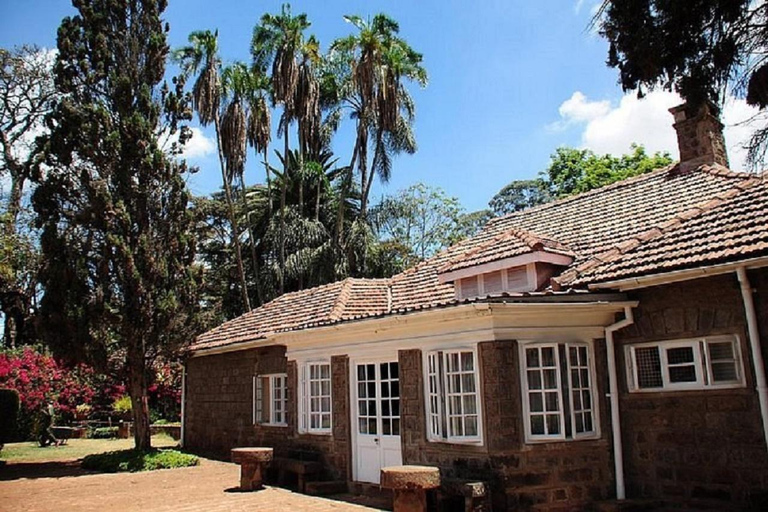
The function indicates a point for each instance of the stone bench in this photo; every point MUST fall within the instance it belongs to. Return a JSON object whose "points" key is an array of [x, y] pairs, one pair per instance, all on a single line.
{"points": [[253, 462], [410, 485], [475, 493], [301, 468]]}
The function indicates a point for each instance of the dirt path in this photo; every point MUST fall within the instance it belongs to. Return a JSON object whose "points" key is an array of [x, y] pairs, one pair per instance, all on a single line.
{"points": [[63, 486]]}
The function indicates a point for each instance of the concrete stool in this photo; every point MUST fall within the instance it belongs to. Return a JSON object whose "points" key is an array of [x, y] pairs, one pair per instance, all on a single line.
{"points": [[410, 484], [252, 462]]}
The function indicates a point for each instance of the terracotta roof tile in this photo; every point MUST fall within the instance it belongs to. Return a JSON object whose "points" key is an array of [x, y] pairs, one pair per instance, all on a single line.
{"points": [[661, 220]]}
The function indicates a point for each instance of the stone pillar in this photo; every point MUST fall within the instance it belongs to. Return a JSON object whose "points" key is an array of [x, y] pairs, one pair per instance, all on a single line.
{"points": [[410, 485]]}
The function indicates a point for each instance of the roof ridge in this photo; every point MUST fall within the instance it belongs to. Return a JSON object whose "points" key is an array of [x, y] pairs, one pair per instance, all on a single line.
{"points": [[614, 253], [715, 169], [340, 303]]}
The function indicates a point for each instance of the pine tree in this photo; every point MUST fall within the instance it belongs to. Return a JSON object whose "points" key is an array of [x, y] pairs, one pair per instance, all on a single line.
{"points": [[117, 242]]}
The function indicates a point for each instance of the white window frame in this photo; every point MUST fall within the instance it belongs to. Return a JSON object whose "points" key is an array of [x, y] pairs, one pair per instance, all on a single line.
{"points": [[562, 436], [305, 424], [702, 360], [258, 397], [441, 432]]}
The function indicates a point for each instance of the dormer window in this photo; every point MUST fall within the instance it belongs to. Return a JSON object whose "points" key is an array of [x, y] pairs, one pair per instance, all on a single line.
{"points": [[514, 262]]}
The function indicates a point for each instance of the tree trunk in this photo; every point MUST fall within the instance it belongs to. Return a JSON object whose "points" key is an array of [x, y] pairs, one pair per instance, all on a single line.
{"points": [[283, 190], [252, 239], [269, 181], [343, 197], [232, 220], [137, 388], [317, 199], [14, 202]]}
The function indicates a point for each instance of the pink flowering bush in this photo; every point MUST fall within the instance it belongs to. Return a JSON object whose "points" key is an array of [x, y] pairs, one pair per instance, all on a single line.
{"points": [[40, 380]]}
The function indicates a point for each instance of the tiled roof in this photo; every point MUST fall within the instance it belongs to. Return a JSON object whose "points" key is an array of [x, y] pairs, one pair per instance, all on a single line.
{"points": [[731, 226], [336, 302], [657, 221], [507, 244]]}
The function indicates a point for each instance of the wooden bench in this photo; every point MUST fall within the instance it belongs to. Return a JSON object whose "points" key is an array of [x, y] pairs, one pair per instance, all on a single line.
{"points": [[475, 494], [302, 463]]}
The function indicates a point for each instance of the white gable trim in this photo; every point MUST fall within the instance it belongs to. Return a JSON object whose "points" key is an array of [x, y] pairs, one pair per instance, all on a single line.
{"points": [[515, 261]]}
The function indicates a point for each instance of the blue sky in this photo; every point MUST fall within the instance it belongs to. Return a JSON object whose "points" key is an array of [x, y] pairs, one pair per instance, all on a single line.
{"points": [[509, 82]]}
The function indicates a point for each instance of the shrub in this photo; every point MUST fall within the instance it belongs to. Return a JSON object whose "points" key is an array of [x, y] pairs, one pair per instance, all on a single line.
{"points": [[104, 433], [123, 406], [9, 411], [133, 460]]}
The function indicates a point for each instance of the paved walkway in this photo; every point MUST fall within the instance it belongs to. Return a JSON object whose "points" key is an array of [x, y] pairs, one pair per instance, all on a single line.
{"points": [[206, 488]]}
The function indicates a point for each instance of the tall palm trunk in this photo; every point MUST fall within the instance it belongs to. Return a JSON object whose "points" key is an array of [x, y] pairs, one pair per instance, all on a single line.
{"points": [[232, 218], [283, 191], [366, 191], [343, 197], [252, 239], [269, 180]]}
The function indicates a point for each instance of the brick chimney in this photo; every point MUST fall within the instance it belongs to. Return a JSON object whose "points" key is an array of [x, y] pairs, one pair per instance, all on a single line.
{"points": [[699, 136]]}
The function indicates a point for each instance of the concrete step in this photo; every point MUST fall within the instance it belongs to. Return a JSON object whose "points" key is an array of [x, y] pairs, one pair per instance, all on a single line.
{"points": [[326, 488]]}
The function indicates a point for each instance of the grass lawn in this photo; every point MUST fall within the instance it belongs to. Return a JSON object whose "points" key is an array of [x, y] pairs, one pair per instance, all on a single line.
{"points": [[74, 449]]}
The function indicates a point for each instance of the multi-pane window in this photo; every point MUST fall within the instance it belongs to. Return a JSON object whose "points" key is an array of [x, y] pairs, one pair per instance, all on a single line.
{"points": [[270, 399], [317, 397], [453, 411], [558, 387], [699, 363]]}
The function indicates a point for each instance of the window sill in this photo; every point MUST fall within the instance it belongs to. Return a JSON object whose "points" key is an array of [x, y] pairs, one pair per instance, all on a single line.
{"points": [[595, 437], [458, 442], [317, 432], [273, 425], [685, 390]]}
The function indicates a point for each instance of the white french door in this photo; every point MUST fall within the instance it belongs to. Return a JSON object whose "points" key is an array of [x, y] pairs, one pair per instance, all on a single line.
{"points": [[376, 418]]}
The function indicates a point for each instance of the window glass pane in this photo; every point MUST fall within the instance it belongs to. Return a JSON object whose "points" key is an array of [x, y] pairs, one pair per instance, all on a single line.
{"points": [[553, 423], [469, 404], [724, 372], [470, 425], [550, 379], [325, 371], [537, 425], [536, 402], [396, 427], [548, 356], [721, 351], [326, 421], [685, 373], [648, 367], [384, 368], [532, 357], [466, 362], [534, 379], [468, 383], [680, 355], [552, 401]]}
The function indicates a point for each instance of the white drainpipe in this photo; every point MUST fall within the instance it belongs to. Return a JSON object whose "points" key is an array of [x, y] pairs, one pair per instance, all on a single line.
{"points": [[613, 394], [754, 343], [183, 400]]}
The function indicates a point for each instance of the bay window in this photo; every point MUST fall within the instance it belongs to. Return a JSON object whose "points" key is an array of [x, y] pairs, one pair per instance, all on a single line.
{"points": [[558, 391]]}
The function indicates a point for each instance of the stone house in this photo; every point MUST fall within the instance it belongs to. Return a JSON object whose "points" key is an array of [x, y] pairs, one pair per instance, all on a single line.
{"points": [[608, 345]]}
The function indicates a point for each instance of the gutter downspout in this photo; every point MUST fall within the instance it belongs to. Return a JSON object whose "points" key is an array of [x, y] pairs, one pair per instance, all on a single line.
{"points": [[183, 401], [754, 343], [613, 394]]}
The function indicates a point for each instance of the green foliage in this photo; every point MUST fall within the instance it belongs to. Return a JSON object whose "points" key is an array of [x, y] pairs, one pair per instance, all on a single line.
{"points": [[520, 194], [123, 405], [134, 460], [573, 171], [703, 50], [421, 218], [9, 411], [119, 271], [104, 433]]}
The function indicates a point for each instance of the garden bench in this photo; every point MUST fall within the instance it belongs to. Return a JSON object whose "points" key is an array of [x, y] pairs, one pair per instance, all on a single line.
{"points": [[63, 434], [475, 493], [301, 463], [410, 485], [253, 462]]}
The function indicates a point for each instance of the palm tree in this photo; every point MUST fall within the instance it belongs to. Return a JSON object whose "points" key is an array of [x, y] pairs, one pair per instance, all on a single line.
{"points": [[378, 61], [278, 40], [239, 85], [201, 57], [260, 122]]}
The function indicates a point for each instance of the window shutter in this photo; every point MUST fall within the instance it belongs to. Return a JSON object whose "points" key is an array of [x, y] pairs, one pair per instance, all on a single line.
{"points": [[434, 416], [259, 407]]}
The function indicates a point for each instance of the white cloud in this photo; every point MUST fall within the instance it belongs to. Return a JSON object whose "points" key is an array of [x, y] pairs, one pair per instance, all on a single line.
{"points": [[199, 145], [606, 128]]}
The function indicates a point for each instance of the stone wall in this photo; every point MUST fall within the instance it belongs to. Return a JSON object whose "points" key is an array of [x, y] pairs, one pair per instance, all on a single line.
{"points": [[219, 408], [545, 476], [705, 444]]}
